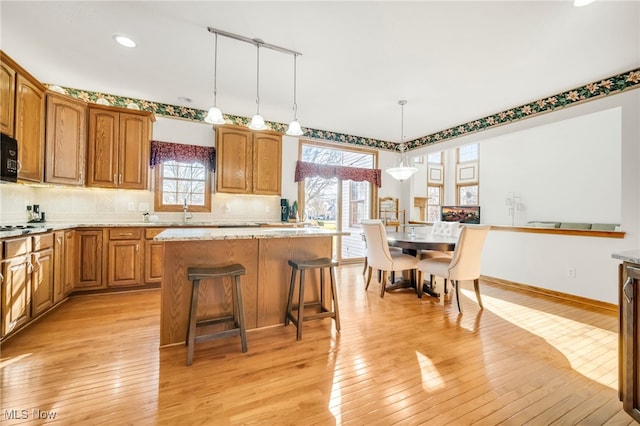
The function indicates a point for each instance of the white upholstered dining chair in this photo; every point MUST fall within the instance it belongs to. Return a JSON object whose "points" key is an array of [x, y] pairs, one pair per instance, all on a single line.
{"points": [[380, 257], [442, 229], [463, 265]]}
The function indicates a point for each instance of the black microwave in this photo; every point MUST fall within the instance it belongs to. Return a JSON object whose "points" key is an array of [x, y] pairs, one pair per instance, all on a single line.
{"points": [[8, 159]]}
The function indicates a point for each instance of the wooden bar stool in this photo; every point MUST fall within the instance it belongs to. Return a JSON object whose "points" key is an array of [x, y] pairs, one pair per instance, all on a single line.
{"points": [[237, 318], [325, 311]]}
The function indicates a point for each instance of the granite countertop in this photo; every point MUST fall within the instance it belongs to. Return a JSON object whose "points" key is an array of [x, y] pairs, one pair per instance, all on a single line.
{"points": [[632, 256], [188, 234], [40, 227]]}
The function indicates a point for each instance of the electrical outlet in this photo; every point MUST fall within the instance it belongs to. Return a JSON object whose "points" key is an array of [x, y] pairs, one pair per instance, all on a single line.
{"points": [[227, 208], [267, 209], [571, 272], [132, 206]]}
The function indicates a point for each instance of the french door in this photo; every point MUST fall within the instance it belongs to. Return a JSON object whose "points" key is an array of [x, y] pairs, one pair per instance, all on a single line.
{"points": [[335, 203]]}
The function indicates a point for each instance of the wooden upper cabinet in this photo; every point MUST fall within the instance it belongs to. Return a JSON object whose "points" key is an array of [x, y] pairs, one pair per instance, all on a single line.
{"points": [[29, 130], [233, 152], [22, 116], [102, 159], [66, 140], [134, 151], [248, 162], [118, 148], [7, 98], [267, 163]]}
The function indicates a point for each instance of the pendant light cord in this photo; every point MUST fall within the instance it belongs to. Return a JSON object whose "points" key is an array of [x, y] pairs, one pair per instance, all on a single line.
{"points": [[215, 72], [258, 78], [402, 122], [295, 104]]}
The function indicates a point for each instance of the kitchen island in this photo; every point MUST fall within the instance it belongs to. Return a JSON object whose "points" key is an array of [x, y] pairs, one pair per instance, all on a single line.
{"points": [[264, 253]]}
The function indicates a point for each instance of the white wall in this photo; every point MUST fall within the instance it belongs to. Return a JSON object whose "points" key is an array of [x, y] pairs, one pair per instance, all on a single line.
{"points": [[567, 171], [608, 190]]}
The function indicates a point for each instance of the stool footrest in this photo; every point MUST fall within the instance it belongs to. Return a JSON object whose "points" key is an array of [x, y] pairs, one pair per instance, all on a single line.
{"points": [[309, 317], [218, 335], [212, 321]]}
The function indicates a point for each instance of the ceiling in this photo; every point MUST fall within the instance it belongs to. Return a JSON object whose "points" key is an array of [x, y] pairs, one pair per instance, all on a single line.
{"points": [[452, 61]]}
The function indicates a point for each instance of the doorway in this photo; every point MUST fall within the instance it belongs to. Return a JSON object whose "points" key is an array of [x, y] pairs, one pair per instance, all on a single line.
{"points": [[337, 203]]}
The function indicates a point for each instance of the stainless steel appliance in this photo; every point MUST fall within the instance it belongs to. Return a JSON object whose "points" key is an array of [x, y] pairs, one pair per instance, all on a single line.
{"points": [[8, 159]]}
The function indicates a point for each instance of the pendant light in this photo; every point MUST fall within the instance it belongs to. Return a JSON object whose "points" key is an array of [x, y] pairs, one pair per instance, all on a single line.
{"points": [[294, 127], [257, 122], [215, 115], [402, 171]]}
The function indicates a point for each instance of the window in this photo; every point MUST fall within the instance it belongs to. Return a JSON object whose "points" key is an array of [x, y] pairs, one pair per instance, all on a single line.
{"points": [[468, 195], [468, 153], [177, 181], [435, 185], [435, 157], [434, 201], [467, 181]]}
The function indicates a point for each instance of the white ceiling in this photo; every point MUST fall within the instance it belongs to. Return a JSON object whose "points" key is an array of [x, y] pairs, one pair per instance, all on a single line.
{"points": [[453, 61]]}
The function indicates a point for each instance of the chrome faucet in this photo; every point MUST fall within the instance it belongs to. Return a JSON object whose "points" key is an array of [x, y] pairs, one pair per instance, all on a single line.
{"points": [[187, 215]]}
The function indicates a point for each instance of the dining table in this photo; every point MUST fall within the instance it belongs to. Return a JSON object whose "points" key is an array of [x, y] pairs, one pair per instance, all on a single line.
{"points": [[412, 243]]}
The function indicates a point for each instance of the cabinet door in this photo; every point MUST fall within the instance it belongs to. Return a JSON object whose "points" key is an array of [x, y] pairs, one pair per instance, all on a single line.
{"points": [[29, 129], [42, 282], [267, 164], [7, 98], [134, 151], [102, 158], [66, 140], [16, 293], [124, 263], [153, 261], [90, 255], [630, 341], [234, 160], [69, 262], [58, 266]]}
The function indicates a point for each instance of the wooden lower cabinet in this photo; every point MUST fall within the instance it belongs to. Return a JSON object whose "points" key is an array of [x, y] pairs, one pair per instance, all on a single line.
{"points": [[42, 281], [89, 251], [16, 271], [124, 263], [63, 264], [153, 257], [58, 266], [69, 261], [16, 293], [629, 345]]}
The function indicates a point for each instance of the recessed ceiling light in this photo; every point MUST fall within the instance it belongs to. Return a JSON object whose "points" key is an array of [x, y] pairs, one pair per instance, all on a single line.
{"points": [[580, 3], [124, 41]]}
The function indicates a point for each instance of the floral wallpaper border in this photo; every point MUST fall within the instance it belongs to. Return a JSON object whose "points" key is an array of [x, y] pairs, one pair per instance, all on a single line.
{"points": [[608, 86]]}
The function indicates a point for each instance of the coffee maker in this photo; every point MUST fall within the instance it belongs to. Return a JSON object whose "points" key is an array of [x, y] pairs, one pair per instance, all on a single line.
{"points": [[284, 210]]}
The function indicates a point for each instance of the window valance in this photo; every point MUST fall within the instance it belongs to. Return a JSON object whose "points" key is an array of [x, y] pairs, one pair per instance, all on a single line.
{"points": [[167, 151], [327, 171]]}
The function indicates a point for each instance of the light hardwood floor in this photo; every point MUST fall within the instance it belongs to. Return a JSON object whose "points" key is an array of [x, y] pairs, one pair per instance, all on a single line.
{"points": [[524, 359]]}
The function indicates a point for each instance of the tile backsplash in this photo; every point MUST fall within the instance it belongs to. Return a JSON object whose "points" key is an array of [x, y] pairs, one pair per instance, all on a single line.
{"points": [[82, 205]]}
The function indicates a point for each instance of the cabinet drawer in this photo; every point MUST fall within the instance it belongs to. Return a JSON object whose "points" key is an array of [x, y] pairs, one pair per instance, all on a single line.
{"points": [[43, 241], [152, 232], [17, 247], [125, 233]]}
